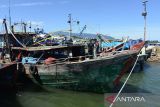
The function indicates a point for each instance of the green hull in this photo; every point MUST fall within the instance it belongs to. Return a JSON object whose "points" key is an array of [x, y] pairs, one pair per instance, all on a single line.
{"points": [[96, 75], [96, 80]]}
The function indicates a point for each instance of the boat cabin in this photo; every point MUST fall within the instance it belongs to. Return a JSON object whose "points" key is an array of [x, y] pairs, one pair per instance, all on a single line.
{"points": [[44, 52]]}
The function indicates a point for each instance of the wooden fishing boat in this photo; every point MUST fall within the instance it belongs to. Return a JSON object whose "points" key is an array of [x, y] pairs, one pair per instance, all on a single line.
{"points": [[77, 71], [68, 66]]}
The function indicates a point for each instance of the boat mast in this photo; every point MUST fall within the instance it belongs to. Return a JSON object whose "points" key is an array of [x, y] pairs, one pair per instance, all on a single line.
{"points": [[145, 17], [6, 38], [70, 21], [25, 25], [30, 26], [70, 25], [9, 11]]}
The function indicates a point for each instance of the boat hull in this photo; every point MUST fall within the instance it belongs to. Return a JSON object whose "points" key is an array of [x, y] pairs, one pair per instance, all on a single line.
{"points": [[8, 74], [99, 75]]}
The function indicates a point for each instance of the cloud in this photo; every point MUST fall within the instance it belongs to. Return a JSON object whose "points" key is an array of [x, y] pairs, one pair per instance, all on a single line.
{"points": [[27, 4], [64, 2], [32, 4]]}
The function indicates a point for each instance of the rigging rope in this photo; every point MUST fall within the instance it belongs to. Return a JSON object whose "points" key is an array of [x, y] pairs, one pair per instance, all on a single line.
{"points": [[126, 79], [42, 40], [16, 38]]}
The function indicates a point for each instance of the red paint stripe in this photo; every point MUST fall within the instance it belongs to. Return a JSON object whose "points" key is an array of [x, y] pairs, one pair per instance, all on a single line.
{"points": [[126, 67]]}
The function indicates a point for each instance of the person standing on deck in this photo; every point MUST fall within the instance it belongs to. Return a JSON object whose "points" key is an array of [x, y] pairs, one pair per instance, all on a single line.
{"points": [[97, 47], [3, 54], [90, 48]]}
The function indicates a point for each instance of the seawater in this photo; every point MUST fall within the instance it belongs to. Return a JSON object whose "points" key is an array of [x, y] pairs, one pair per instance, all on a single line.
{"points": [[147, 81]]}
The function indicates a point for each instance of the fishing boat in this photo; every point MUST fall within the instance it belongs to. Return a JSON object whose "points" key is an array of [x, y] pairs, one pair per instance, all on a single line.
{"points": [[70, 68], [8, 65]]}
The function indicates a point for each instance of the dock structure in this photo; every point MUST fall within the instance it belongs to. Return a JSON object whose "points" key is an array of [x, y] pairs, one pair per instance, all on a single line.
{"points": [[155, 56]]}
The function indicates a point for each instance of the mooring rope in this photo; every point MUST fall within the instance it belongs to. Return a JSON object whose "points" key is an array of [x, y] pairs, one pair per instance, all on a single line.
{"points": [[126, 79]]}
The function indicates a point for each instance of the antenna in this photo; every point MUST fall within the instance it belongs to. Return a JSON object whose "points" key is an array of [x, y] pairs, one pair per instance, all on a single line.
{"points": [[70, 25], [30, 26], [145, 17], [9, 12]]}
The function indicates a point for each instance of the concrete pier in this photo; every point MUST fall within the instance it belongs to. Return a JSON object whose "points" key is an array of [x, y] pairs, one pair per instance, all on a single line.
{"points": [[155, 57]]}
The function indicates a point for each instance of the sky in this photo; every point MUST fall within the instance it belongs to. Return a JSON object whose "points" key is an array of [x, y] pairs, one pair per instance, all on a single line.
{"points": [[116, 18]]}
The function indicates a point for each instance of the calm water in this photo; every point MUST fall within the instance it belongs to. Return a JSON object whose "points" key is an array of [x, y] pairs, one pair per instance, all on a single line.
{"points": [[33, 96]]}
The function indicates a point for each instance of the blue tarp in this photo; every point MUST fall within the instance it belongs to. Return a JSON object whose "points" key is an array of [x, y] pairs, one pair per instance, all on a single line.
{"points": [[29, 60], [110, 44], [130, 43]]}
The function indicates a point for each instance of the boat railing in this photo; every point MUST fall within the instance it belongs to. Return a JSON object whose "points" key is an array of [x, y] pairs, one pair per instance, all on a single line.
{"points": [[87, 57], [75, 59]]}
